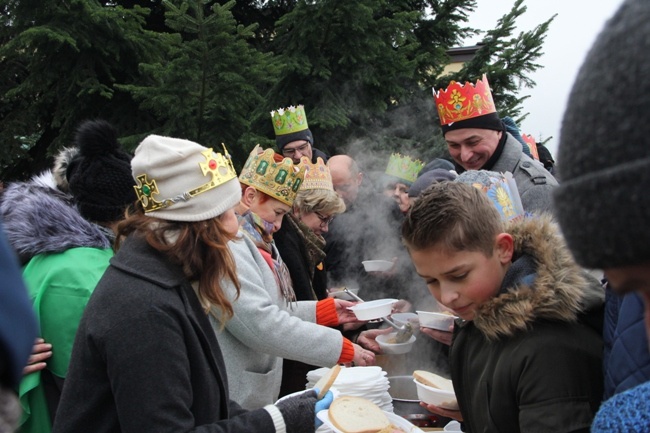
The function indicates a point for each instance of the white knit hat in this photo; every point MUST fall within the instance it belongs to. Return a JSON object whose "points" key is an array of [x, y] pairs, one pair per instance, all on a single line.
{"points": [[179, 180]]}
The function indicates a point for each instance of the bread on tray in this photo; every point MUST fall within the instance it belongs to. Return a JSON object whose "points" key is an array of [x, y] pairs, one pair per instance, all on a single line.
{"points": [[433, 380], [359, 415]]}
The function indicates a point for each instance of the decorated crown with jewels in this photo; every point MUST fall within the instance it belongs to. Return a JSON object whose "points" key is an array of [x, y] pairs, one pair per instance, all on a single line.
{"points": [[218, 167], [461, 102], [288, 120], [317, 176], [279, 180], [403, 167]]}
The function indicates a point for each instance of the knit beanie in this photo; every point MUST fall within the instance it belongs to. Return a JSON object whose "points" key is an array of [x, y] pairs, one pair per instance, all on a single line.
{"points": [[603, 200], [99, 175], [436, 163], [170, 170], [283, 140], [487, 121], [429, 178]]}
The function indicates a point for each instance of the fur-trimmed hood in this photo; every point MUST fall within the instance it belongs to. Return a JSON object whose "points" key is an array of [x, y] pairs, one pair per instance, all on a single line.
{"points": [[560, 291], [40, 218]]}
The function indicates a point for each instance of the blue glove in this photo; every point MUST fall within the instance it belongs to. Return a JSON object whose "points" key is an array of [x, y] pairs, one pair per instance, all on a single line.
{"points": [[322, 404]]}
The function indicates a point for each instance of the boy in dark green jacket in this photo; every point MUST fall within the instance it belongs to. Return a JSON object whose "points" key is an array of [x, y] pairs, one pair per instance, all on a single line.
{"points": [[520, 359]]}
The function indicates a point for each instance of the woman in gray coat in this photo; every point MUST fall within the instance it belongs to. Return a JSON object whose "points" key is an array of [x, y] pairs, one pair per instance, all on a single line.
{"points": [[269, 325]]}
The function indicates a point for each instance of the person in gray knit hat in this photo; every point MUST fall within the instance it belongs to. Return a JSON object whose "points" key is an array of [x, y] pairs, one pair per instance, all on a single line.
{"points": [[145, 356], [603, 201]]}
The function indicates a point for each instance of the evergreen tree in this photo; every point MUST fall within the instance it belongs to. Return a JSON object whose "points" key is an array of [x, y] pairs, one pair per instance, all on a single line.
{"points": [[507, 60], [59, 62], [360, 69], [207, 88], [212, 70]]}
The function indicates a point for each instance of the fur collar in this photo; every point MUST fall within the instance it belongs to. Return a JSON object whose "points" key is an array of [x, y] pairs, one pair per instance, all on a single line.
{"points": [[39, 218], [560, 291]]}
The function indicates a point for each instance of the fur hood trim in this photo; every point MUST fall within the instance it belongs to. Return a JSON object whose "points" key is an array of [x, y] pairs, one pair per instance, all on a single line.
{"points": [[561, 289], [39, 218]]}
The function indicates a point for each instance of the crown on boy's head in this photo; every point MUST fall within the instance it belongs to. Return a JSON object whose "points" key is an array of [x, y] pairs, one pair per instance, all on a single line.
{"points": [[500, 188], [461, 102], [403, 167], [290, 119], [279, 180], [219, 167], [317, 176]]}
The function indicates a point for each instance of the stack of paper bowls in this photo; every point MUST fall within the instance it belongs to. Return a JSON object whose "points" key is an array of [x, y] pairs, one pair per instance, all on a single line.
{"points": [[367, 382]]}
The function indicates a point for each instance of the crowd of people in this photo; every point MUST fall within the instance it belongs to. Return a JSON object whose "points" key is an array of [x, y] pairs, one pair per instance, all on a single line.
{"points": [[164, 291]]}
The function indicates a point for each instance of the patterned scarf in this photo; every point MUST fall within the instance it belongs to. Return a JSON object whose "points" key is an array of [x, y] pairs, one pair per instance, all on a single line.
{"points": [[261, 233]]}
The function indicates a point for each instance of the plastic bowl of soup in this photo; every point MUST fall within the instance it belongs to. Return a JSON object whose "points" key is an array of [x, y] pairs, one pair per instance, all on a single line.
{"points": [[372, 310]]}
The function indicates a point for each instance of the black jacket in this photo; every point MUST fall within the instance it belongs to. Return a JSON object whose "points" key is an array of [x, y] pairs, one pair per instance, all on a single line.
{"points": [[146, 359], [293, 251], [526, 363]]}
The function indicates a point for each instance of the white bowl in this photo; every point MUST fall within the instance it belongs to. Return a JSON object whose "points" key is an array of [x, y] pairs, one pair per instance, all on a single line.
{"points": [[402, 319], [438, 397], [388, 348], [373, 309], [337, 292], [377, 265], [439, 321]]}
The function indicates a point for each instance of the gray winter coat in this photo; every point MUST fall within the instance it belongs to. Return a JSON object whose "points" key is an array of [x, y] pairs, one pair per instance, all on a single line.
{"points": [[534, 182], [264, 330]]}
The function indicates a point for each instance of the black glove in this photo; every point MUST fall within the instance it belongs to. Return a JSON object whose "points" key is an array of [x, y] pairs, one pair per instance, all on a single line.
{"points": [[299, 412]]}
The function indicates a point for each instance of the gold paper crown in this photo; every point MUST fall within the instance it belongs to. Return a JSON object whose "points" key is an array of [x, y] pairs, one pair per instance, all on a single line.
{"points": [[317, 176], [279, 180], [532, 145], [461, 102], [288, 120], [403, 167], [218, 166]]}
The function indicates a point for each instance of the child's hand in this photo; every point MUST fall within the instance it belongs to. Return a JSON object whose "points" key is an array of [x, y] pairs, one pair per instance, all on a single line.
{"points": [[41, 351], [453, 414]]}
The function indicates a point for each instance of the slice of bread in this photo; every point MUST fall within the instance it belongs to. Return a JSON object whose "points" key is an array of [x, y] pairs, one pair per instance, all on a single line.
{"points": [[357, 415], [433, 380], [325, 383]]}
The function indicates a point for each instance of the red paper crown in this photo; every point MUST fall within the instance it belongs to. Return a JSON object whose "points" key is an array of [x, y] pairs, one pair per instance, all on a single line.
{"points": [[530, 141], [461, 102]]}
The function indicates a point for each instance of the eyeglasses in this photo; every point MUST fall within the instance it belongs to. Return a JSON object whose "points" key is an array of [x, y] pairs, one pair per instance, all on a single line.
{"points": [[302, 148], [324, 221]]}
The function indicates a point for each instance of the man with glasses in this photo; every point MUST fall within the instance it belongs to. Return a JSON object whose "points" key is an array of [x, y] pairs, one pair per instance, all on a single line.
{"points": [[292, 134]]}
